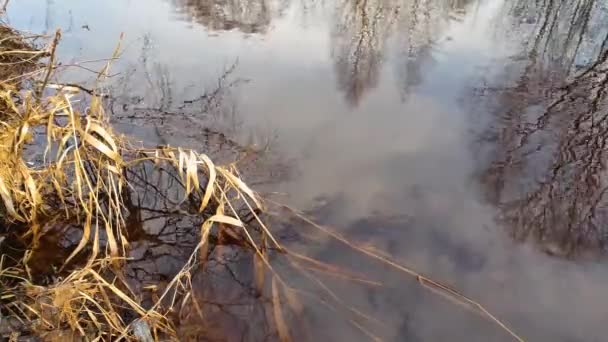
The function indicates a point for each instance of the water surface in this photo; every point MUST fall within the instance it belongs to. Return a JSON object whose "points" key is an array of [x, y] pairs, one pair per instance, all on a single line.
{"points": [[369, 106]]}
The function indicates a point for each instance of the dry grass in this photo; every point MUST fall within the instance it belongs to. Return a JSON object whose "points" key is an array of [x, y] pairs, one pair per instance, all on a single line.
{"points": [[61, 161], [81, 178], [18, 57]]}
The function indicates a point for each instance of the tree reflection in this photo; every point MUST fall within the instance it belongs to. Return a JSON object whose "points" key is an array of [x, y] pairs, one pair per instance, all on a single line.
{"points": [[549, 176], [422, 24], [247, 16], [363, 27], [566, 32], [359, 37], [358, 40]]}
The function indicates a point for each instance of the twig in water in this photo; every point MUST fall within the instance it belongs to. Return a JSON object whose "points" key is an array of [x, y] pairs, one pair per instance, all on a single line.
{"points": [[49, 70], [423, 280]]}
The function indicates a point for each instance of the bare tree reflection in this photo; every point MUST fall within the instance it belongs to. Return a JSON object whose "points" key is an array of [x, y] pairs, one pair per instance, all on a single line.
{"points": [[362, 28], [359, 36], [247, 16], [549, 176], [565, 32], [422, 24], [232, 295], [358, 42], [164, 231]]}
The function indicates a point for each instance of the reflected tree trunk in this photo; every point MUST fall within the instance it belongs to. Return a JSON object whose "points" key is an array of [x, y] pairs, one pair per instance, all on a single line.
{"points": [[358, 43]]}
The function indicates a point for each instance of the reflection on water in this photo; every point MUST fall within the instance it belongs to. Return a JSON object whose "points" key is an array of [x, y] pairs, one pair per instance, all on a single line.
{"points": [[247, 16], [372, 104], [359, 32], [548, 174], [358, 44], [567, 34]]}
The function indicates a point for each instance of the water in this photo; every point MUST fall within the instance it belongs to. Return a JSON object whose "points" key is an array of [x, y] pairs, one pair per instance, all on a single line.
{"points": [[369, 108]]}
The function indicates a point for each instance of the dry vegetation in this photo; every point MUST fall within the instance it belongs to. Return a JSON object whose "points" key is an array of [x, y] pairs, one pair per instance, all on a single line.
{"points": [[81, 178], [62, 165]]}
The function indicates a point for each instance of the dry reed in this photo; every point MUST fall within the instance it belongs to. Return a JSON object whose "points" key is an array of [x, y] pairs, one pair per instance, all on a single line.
{"points": [[81, 178]]}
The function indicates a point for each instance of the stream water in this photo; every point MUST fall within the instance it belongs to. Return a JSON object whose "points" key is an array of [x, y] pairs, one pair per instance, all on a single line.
{"points": [[372, 114]]}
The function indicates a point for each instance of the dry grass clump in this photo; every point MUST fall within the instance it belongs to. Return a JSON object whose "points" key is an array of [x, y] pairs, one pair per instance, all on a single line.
{"points": [[18, 56], [59, 163]]}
